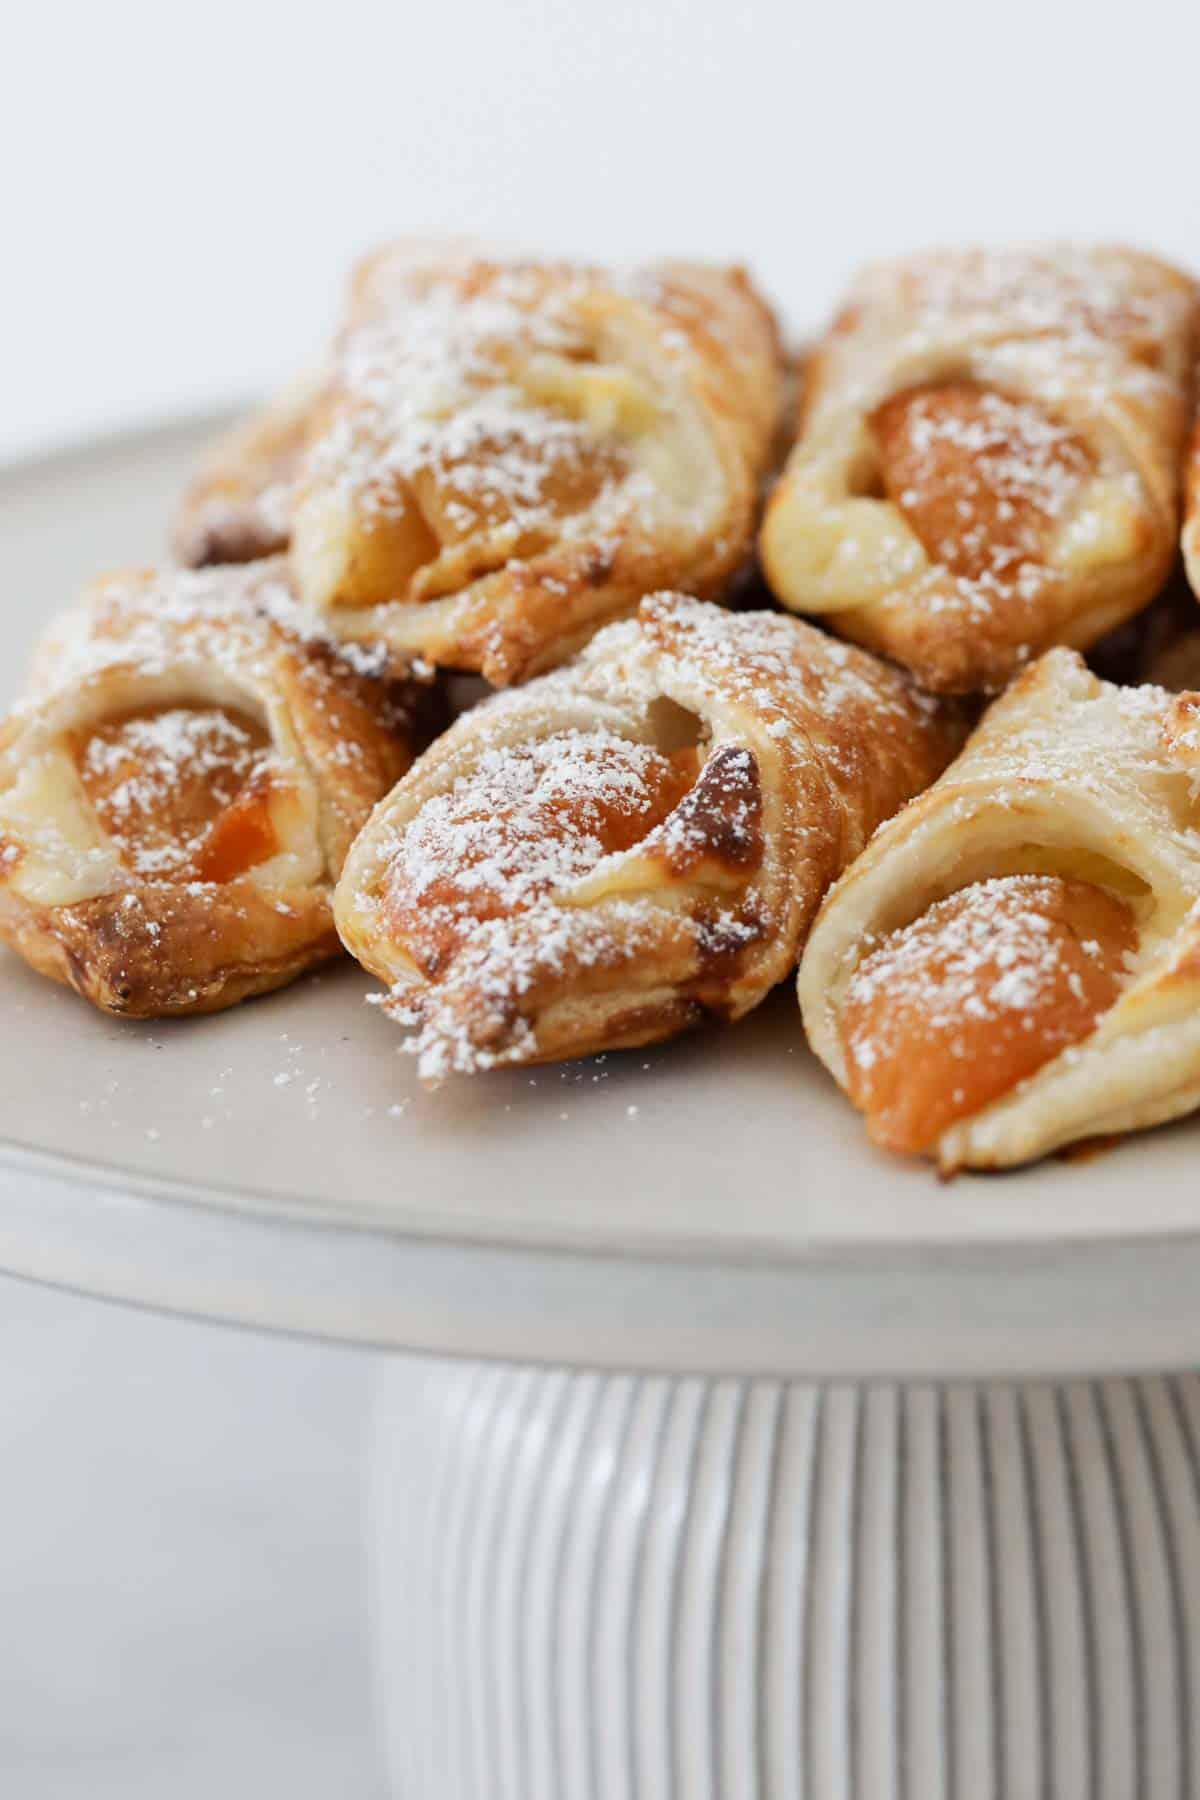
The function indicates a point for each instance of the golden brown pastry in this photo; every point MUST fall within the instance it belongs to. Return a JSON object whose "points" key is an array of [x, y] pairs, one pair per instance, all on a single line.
{"points": [[179, 791], [988, 462], [1191, 513], [1013, 963], [633, 843], [512, 453], [238, 507]]}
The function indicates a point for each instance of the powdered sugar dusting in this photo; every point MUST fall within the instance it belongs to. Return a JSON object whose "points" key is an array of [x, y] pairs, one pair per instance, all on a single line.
{"points": [[1086, 355], [436, 405], [978, 994], [503, 889], [984, 481], [232, 618], [1015, 950], [160, 778], [526, 823]]}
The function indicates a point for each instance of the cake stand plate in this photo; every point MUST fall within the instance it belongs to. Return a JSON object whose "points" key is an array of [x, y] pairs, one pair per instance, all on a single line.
{"points": [[729, 1457]]}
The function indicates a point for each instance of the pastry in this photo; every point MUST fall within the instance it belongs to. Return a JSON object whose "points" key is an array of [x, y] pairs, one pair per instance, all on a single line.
{"points": [[988, 462], [510, 453], [179, 789], [238, 507], [633, 843], [1013, 964], [1191, 513]]}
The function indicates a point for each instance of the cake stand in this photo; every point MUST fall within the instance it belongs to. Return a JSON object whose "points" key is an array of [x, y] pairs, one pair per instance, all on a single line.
{"points": [[717, 1456]]}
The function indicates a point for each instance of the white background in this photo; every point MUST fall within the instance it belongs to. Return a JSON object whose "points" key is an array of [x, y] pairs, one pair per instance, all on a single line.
{"points": [[183, 185], [180, 1566]]}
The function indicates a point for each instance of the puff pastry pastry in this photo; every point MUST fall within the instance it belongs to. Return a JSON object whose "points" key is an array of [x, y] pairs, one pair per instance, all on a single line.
{"points": [[512, 453], [1191, 525], [179, 790], [238, 507], [633, 843], [1014, 962], [989, 457]]}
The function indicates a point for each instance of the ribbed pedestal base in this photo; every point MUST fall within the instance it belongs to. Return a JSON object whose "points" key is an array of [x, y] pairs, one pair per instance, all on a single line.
{"points": [[611, 1587]]}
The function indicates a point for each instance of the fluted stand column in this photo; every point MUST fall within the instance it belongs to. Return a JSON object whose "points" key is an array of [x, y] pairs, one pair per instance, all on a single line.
{"points": [[613, 1587]]}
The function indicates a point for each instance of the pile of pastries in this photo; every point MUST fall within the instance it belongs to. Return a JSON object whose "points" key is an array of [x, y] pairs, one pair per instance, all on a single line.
{"points": [[784, 659]]}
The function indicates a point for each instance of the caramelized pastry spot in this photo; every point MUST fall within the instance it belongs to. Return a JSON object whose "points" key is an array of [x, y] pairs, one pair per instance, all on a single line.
{"points": [[1181, 729], [983, 480], [181, 791], [529, 820], [959, 1007], [712, 839], [720, 820]]}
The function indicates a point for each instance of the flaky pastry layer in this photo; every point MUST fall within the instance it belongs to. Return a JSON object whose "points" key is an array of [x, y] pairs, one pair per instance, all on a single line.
{"points": [[180, 788], [509, 453], [988, 461], [1069, 776], [238, 506], [635, 842]]}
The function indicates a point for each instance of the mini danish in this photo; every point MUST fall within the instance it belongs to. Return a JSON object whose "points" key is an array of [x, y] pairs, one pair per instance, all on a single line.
{"points": [[512, 453], [988, 462], [179, 791], [238, 507], [1014, 963], [633, 843], [1191, 513]]}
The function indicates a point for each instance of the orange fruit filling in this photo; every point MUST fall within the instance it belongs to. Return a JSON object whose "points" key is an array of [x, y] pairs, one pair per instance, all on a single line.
{"points": [[530, 819], [183, 792], [982, 479], [954, 1010]]}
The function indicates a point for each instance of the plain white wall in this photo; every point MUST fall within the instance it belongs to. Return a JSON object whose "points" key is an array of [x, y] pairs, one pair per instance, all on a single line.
{"points": [[184, 184]]}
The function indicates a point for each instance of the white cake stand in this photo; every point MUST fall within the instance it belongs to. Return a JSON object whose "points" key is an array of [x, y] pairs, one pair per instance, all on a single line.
{"points": [[725, 1458]]}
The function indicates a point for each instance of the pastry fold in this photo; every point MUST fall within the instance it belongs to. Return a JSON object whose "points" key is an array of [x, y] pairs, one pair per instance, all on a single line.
{"points": [[510, 454], [989, 457], [634, 843], [1191, 512], [1070, 787], [238, 506], [180, 788]]}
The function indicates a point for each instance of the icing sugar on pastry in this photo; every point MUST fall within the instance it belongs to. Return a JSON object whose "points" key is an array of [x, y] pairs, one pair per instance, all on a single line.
{"points": [[1011, 964], [511, 452], [434, 396], [636, 842], [983, 481], [163, 783], [179, 789], [988, 457], [527, 823], [975, 995]]}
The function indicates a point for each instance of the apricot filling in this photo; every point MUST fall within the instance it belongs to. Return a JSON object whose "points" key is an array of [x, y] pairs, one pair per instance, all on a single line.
{"points": [[529, 820], [183, 792], [984, 481], [459, 450], [954, 1010]]}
